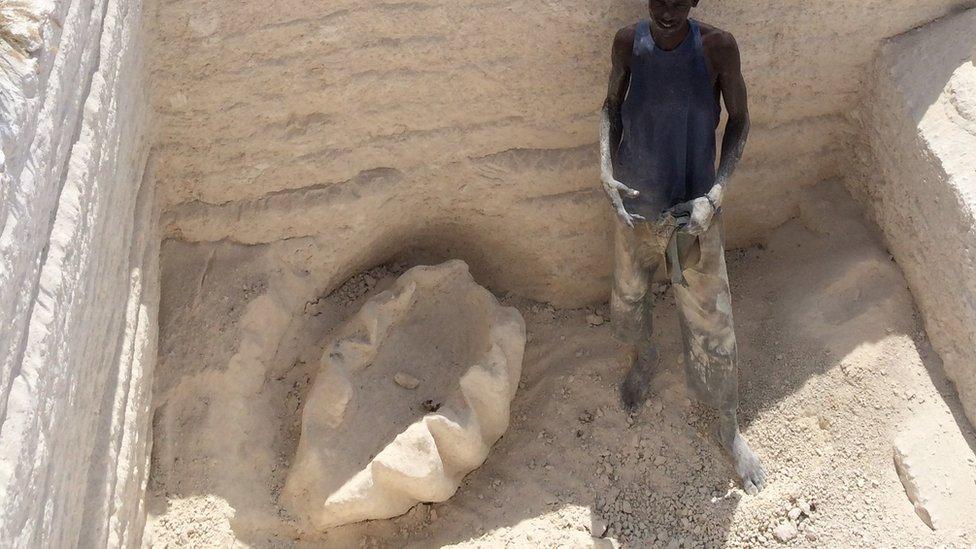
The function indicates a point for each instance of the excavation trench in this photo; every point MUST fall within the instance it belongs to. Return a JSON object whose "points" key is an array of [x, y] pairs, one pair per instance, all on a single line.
{"points": [[280, 227], [834, 362], [182, 237]]}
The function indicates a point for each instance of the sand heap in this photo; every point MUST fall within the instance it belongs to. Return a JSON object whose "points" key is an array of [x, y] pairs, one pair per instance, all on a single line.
{"points": [[410, 396]]}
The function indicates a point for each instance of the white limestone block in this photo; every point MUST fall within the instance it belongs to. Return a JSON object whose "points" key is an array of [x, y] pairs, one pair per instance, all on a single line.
{"points": [[938, 470], [920, 122]]}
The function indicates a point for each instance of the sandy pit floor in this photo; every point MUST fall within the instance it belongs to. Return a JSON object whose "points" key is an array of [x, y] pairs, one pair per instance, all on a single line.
{"points": [[834, 363]]}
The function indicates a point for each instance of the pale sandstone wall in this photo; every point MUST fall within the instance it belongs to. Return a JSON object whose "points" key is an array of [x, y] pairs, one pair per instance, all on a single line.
{"points": [[78, 274], [471, 127], [917, 178]]}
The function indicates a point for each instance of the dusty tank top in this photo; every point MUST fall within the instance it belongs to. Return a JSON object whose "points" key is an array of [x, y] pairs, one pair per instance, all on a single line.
{"points": [[669, 115]]}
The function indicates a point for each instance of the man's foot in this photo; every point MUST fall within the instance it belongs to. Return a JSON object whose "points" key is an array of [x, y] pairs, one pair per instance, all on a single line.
{"points": [[745, 462], [635, 388]]}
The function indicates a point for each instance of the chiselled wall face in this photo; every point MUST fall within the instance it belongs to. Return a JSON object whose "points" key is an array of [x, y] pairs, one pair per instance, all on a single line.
{"points": [[78, 274], [470, 127], [915, 176]]}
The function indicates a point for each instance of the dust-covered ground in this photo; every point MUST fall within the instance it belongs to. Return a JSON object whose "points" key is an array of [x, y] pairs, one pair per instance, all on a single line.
{"points": [[833, 363]]}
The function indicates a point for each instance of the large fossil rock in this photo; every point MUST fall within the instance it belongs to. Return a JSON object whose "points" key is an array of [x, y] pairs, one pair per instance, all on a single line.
{"points": [[371, 447]]}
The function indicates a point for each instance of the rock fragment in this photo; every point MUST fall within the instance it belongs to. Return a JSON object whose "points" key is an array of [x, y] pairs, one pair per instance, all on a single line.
{"points": [[930, 458], [406, 381], [784, 531], [598, 526]]}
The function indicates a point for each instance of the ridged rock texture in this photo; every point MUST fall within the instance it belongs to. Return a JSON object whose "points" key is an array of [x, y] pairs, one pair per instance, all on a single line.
{"points": [[78, 274], [369, 448], [468, 129], [917, 179], [935, 465]]}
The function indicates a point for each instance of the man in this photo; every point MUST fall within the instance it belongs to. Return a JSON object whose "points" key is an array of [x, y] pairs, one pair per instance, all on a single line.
{"points": [[657, 144]]}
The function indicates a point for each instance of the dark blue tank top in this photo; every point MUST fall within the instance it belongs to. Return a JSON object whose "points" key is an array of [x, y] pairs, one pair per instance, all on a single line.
{"points": [[669, 115]]}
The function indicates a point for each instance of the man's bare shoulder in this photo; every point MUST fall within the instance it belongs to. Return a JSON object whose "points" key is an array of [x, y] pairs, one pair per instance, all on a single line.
{"points": [[719, 45], [623, 41], [717, 39]]}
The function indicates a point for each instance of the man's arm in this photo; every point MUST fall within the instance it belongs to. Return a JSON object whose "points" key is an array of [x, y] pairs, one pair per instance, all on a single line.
{"points": [[611, 124], [733, 88]]}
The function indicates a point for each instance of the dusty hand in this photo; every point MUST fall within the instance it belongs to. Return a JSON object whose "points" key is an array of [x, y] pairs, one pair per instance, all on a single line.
{"points": [[699, 211], [613, 188]]}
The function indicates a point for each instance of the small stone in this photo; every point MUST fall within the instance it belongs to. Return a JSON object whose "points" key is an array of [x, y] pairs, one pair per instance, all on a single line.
{"points": [[784, 531], [598, 526], [804, 506], [794, 513], [594, 319], [406, 381], [660, 460], [625, 507]]}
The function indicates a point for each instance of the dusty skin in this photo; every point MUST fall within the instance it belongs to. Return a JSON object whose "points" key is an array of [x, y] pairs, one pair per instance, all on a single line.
{"points": [[834, 364]]}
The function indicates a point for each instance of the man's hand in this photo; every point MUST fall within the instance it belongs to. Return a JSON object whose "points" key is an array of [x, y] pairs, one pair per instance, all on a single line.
{"points": [[613, 188], [700, 210]]}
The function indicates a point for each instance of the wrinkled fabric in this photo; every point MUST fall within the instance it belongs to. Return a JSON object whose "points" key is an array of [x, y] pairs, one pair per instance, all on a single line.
{"points": [[669, 117], [704, 305]]}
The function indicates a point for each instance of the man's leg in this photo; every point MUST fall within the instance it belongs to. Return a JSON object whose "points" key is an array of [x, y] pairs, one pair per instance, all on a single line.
{"points": [[630, 309], [705, 309]]}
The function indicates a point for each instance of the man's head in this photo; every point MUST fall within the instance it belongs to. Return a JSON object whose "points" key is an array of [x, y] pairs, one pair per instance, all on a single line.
{"points": [[670, 15]]}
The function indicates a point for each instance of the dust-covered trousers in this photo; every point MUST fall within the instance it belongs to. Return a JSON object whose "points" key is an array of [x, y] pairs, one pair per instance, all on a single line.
{"points": [[704, 301]]}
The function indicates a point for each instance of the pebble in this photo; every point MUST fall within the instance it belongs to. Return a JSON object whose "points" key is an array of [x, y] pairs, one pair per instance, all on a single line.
{"points": [[406, 381], [598, 526], [795, 513], [625, 507], [784, 531], [594, 319]]}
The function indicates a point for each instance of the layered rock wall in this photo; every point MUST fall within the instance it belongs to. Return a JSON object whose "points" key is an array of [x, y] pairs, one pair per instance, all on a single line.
{"points": [[78, 274], [917, 175], [470, 127]]}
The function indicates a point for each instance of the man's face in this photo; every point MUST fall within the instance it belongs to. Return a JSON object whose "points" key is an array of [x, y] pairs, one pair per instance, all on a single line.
{"points": [[670, 15]]}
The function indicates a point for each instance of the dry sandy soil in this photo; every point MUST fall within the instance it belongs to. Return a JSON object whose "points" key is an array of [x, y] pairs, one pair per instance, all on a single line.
{"points": [[834, 363]]}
